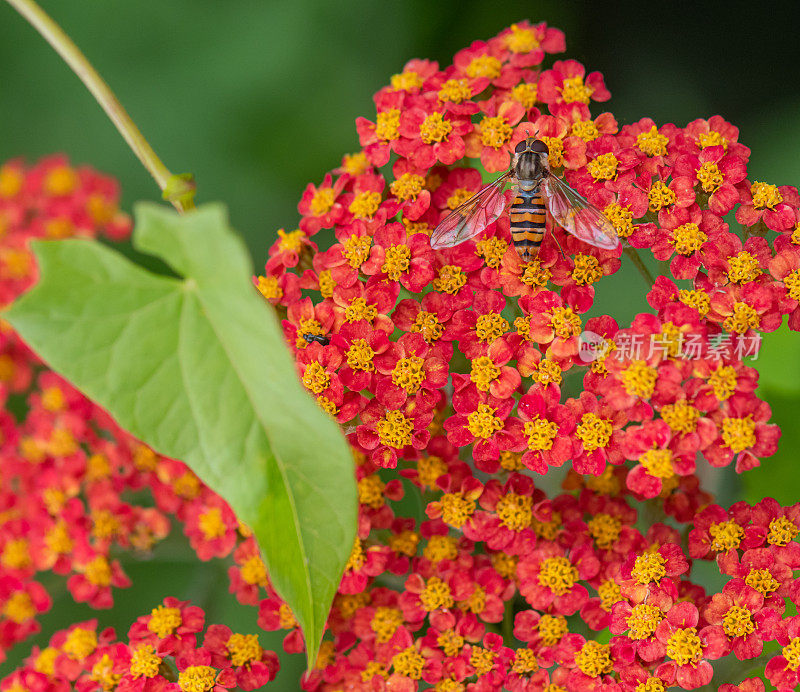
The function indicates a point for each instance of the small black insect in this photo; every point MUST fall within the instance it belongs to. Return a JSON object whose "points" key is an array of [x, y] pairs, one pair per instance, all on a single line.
{"points": [[324, 340]]}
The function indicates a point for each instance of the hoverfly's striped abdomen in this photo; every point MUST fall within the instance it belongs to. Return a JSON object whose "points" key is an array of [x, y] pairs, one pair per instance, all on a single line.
{"points": [[528, 217]]}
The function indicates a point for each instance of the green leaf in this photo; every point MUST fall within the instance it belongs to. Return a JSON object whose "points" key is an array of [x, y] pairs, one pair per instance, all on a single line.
{"points": [[196, 367]]}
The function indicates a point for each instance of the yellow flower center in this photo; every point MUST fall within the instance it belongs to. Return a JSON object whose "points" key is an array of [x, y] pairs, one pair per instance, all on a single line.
{"points": [[355, 164], [429, 469], [660, 196], [395, 430], [765, 196], [762, 581], [697, 299], [605, 530], [639, 379], [358, 309], [482, 660], [585, 129], [791, 652], [321, 203], [594, 659], [435, 595], [525, 662], [494, 131], [455, 91], [450, 642], [514, 511], [269, 288], [385, 622], [644, 620], [525, 94], [370, 491], [373, 668], [574, 90], [687, 239], [356, 249], [564, 322], [405, 543], [726, 535], [781, 531], [490, 326], [710, 177], [792, 283], [442, 547], [738, 622], [738, 433], [684, 646], [315, 378], [723, 381], [211, 524], [541, 433], [681, 416], [712, 138], [587, 270], [98, 571], [648, 568], [652, 143], [243, 649], [357, 557], [484, 66], [658, 463], [19, 607], [510, 461], [521, 40], [492, 250], [407, 186], [483, 423], [535, 275], [594, 432], [558, 574], [197, 679], [11, 180], [435, 128], [164, 621], [743, 268], [604, 167], [286, 618], [144, 662], [254, 571], [407, 81], [606, 483], [476, 603], [552, 629], [397, 261], [365, 204], [621, 219], [61, 180], [483, 372], [609, 593], [505, 565], [408, 374], [427, 324], [45, 661], [451, 279], [80, 643], [456, 509]]}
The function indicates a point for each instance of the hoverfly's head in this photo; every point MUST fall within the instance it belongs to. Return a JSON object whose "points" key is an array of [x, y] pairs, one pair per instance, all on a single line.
{"points": [[530, 158]]}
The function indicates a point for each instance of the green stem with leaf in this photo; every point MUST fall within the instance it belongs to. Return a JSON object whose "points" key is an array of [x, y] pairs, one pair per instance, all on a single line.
{"points": [[178, 189]]}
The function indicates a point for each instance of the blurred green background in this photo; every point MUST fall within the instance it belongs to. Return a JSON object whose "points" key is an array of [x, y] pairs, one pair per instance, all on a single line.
{"points": [[259, 98]]}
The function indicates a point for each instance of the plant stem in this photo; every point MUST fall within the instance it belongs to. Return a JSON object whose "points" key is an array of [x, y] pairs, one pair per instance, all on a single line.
{"points": [[77, 61], [507, 626], [643, 270]]}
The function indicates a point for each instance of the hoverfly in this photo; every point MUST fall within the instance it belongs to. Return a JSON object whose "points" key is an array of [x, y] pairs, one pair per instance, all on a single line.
{"points": [[310, 338], [536, 189]]}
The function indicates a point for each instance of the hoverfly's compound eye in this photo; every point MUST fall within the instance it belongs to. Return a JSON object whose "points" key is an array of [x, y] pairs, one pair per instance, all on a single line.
{"points": [[521, 146], [540, 147]]}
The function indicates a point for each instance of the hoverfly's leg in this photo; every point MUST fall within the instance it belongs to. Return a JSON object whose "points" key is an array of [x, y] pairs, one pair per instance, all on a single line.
{"points": [[554, 237]]}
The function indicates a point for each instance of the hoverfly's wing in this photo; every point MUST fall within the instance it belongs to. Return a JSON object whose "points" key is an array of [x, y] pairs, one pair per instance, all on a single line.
{"points": [[469, 219], [577, 216]]}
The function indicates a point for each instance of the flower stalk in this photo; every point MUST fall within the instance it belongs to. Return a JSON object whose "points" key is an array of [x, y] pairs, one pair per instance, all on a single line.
{"points": [[72, 55]]}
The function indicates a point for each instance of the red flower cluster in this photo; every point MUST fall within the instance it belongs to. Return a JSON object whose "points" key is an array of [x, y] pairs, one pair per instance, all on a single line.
{"points": [[162, 654], [395, 321], [449, 372]]}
